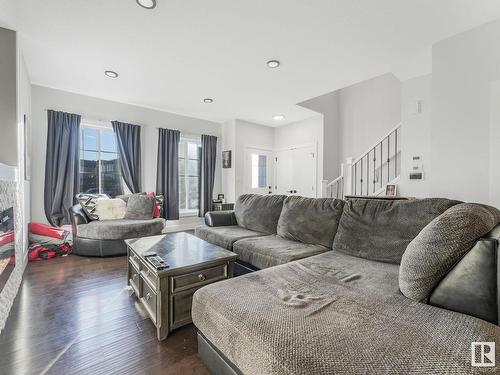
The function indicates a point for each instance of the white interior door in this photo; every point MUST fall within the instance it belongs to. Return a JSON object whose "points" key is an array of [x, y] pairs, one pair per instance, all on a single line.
{"points": [[284, 175], [304, 171], [258, 171], [295, 171]]}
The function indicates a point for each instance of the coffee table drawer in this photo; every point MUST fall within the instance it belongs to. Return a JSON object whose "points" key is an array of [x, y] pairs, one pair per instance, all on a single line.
{"points": [[198, 278], [148, 299], [150, 277], [134, 280]]}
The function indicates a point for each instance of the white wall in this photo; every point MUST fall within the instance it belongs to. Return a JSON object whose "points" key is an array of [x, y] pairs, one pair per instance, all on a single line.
{"points": [[8, 95], [104, 110], [463, 66], [228, 184], [367, 111], [356, 117], [328, 105], [303, 133], [494, 198], [416, 135]]}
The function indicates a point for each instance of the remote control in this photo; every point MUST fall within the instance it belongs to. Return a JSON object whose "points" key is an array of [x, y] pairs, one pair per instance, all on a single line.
{"points": [[157, 262]]}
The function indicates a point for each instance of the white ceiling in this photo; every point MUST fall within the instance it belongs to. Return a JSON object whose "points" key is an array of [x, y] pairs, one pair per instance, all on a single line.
{"points": [[185, 50]]}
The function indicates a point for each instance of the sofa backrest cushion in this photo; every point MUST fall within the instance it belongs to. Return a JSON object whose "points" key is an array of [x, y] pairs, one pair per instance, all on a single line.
{"points": [[382, 229], [259, 213], [442, 243], [310, 220], [140, 207]]}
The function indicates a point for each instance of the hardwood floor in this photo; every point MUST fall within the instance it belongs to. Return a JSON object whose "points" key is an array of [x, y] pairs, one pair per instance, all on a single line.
{"points": [[73, 315]]}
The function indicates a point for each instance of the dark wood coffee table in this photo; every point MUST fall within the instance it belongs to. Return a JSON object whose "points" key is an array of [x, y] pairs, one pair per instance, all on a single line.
{"points": [[167, 294]]}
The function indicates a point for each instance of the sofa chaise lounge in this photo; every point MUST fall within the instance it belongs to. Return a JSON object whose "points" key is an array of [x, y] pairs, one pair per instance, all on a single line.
{"points": [[405, 287]]}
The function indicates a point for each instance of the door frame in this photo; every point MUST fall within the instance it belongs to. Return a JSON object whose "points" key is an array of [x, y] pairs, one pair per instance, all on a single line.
{"points": [[270, 168]]}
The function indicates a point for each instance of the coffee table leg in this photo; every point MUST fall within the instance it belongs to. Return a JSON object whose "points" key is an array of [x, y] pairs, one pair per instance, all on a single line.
{"points": [[230, 269], [162, 333]]}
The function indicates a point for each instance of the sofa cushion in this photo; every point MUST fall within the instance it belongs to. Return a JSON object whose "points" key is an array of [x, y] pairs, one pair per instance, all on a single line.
{"points": [[110, 209], [329, 314], [120, 229], [270, 251], [310, 220], [160, 201], [140, 207], [224, 236], [88, 202], [259, 213], [382, 229], [431, 255]]}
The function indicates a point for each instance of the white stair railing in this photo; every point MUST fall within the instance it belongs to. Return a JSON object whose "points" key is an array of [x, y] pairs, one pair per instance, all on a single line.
{"points": [[369, 173]]}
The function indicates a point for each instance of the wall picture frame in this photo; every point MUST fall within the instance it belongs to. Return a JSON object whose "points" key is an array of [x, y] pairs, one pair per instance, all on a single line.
{"points": [[226, 159]]}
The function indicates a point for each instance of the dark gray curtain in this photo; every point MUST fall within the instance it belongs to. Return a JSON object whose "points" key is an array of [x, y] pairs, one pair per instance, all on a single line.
{"points": [[167, 175], [207, 175], [129, 149], [61, 166]]}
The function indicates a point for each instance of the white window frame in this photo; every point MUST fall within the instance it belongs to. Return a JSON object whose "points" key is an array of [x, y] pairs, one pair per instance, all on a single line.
{"points": [[98, 126], [188, 212]]}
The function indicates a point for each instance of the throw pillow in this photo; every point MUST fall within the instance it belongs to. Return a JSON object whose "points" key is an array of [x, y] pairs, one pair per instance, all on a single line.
{"points": [[158, 204], [140, 207], [87, 201], [382, 229], [110, 209], [310, 220], [431, 255]]}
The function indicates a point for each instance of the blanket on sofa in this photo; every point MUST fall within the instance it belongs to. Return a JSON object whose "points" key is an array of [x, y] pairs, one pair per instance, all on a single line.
{"points": [[334, 314]]}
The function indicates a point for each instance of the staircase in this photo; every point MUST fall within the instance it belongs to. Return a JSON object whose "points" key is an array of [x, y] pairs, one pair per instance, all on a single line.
{"points": [[368, 174]]}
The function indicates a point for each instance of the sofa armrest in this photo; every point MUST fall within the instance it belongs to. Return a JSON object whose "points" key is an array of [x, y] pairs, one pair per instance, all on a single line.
{"points": [[78, 217], [472, 283], [220, 218]]}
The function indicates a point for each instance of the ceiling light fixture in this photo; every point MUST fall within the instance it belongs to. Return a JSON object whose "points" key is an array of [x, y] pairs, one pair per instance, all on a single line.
{"points": [[273, 63], [278, 117], [208, 100], [147, 4], [111, 74]]}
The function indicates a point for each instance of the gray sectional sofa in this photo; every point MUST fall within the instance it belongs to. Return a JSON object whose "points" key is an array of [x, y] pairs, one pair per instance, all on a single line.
{"points": [[356, 287]]}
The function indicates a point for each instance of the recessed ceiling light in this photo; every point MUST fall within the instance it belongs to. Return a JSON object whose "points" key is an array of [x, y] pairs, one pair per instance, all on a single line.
{"points": [[111, 74], [278, 117], [208, 100], [147, 4], [273, 63]]}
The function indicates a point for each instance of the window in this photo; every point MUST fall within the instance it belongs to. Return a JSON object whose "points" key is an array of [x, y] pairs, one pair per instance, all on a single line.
{"points": [[259, 171], [189, 175], [99, 162]]}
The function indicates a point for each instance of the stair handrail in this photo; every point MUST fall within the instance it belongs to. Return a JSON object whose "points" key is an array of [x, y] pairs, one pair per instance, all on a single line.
{"points": [[347, 169], [377, 143]]}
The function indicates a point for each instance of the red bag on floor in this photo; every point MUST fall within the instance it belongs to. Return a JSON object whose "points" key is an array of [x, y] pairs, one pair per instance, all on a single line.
{"points": [[39, 252], [6, 237], [47, 230]]}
